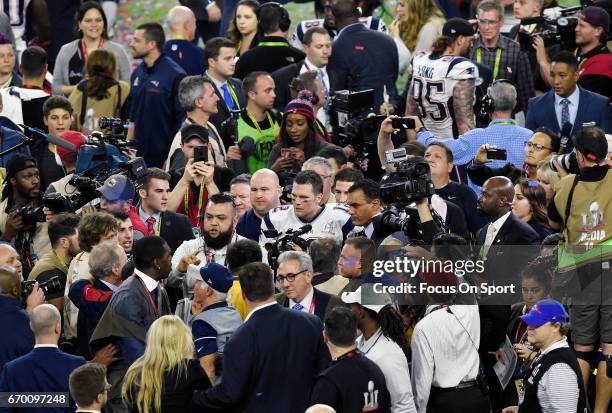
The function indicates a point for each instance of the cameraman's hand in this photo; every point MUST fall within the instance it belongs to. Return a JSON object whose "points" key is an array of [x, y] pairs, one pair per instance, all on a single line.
{"points": [[481, 155], [88, 209], [205, 170], [348, 150], [14, 224], [417, 122], [540, 49], [36, 297], [386, 126], [130, 153], [282, 164], [186, 260], [233, 153], [561, 171], [49, 215], [190, 173]]}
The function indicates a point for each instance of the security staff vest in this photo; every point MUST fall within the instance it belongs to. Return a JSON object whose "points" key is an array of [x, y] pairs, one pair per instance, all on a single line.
{"points": [[48, 262], [587, 236], [264, 140], [530, 402]]}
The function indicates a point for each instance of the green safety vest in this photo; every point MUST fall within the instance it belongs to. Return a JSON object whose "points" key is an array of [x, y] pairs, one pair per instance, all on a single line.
{"points": [[264, 142]]}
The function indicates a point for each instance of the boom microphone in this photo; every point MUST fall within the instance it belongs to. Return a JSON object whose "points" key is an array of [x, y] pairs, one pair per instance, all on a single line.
{"points": [[35, 134]]}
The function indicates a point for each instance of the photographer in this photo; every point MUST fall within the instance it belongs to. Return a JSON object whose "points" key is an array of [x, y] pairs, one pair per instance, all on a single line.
{"points": [[325, 220], [19, 211], [365, 210], [581, 204], [18, 338], [117, 194], [542, 143], [54, 264]]}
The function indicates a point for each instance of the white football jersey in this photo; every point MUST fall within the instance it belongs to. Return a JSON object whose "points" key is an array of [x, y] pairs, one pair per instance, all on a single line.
{"points": [[372, 23], [333, 221], [16, 12], [433, 81]]}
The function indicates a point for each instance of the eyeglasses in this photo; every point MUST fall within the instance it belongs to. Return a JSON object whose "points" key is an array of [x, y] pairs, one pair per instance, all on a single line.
{"points": [[289, 277], [536, 146], [486, 22]]}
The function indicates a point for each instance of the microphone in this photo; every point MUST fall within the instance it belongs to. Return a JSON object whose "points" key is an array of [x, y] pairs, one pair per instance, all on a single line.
{"points": [[247, 147], [533, 20], [35, 134], [305, 229]]}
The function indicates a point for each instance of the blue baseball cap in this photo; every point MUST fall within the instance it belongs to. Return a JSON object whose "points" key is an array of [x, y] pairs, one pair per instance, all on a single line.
{"points": [[117, 188], [545, 311], [217, 277]]}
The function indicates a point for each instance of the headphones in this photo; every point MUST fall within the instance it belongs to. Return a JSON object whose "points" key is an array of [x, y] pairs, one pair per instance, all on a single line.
{"points": [[284, 22], [487, 105]]}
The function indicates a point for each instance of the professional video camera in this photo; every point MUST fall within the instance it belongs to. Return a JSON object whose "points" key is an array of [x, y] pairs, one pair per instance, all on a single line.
{"points": [[87, 187], [116, 133], [285, 242], [410, 182], [31, 215], [355, 122], [52, 286], [558, 29]]}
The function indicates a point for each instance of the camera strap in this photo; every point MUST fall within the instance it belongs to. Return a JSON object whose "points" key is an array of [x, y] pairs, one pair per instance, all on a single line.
{"points": [[568, 206]]}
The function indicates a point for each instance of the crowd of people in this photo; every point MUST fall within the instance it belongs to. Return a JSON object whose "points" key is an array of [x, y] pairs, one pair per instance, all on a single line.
{"points": [[214, 218]]}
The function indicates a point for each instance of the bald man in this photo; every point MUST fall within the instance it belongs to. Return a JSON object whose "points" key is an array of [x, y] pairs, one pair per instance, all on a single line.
{"points": [[46, 368], [180, 48], [10, 257], [320, 408], [14, 318], [265, 195]]}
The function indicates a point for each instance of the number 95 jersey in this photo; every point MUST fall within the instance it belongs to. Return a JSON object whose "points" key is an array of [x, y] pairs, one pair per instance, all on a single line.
{"points": [[433, 82]]}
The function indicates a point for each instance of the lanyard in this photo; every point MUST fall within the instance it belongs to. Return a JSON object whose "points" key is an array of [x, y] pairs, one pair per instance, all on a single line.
{"points": [[200, 197], [257, 123], [84, 49], [505, 122], [272, 44], [373, 344], [497, 60], [150, 297], [158, 224]]}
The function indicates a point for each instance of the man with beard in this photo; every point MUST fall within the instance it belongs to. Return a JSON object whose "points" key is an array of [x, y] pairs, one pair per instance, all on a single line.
{"points": [[219, 222], [156, 113], [21, 193], [63, 235]]}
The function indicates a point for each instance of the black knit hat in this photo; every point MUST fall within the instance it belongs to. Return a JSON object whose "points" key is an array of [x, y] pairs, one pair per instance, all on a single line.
{"points": [[18, 163]]}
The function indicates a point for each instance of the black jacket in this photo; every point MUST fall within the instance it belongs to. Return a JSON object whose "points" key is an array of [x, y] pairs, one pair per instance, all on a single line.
{"points": [[221, 118], [479, 173], [175, 229], [323, 302], [282, 79], [268, 58]]}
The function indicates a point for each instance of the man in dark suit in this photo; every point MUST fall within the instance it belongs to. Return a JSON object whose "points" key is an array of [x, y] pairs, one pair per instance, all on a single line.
{"points": [[318, 47], [88, 387], [285, 353], [208, 17], [221, 58], [46, 368], [568, 103], [363, 59], [295, 274], [172, 227], [136, 304], [273, 50]]}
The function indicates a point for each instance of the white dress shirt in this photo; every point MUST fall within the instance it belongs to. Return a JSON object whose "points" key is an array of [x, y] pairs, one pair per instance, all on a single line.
{"points": [[46, 346], [492, 231], [443, 355], [306, 302], [392, 362], [574, 99], [259, 308], [144, 216], [309, 66], [149, 282]]}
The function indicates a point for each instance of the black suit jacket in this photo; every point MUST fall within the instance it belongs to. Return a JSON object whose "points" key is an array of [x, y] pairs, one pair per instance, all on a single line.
{"points": [[282, 79], [175, 229], [323, 302], [275, 352], [219, 119]]}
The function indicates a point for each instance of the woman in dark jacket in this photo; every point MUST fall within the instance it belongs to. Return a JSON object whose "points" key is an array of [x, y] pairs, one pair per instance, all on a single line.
{"points": [[298, 139], [529, 205], [164, 378]]}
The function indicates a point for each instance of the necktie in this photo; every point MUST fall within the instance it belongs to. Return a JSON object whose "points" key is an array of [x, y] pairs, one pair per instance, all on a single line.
{"points": [[150, 226], [488, 239], [227, 97], [155, 295], [298, 307], [565, 116], [321, 76]]}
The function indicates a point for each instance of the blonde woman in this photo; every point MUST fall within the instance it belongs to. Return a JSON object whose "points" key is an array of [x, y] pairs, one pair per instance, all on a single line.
{"points": [[243, 26], [418, 23], [547, 177], [164, 378]]}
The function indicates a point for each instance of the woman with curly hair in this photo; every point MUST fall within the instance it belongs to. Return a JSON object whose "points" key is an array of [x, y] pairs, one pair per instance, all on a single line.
{"points": [[418, 23], [164, 378], [242, 29]]}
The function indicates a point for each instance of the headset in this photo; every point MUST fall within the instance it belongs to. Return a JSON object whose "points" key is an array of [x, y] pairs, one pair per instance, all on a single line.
{"points": [[284, 22], [487, 105]]}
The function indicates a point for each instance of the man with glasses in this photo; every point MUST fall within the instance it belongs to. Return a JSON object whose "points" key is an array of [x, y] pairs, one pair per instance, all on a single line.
{"points": [[541, 144], [502, 55], [325, 170], [331, 221], [89, 388], [295, 274]]}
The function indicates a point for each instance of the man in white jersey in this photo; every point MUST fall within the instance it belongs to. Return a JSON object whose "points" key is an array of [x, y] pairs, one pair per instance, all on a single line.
{"points": [[326, 221], [16, 11], [443, 84]]}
